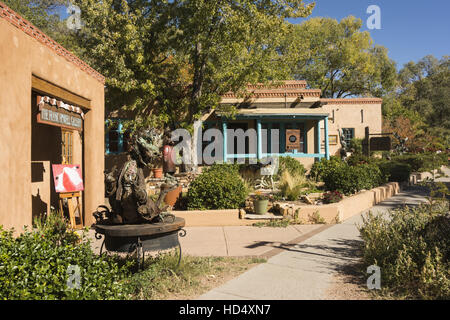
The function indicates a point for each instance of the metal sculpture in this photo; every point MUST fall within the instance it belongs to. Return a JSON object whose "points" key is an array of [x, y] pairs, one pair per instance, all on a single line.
{"points": [[126, 189]]}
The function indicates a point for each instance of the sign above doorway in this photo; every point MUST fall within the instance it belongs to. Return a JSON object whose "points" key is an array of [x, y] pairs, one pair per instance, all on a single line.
{"points": [[58, 113]]}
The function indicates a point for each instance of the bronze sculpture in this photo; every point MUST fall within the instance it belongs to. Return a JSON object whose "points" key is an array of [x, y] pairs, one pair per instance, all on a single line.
{"points": [[126, 189]]}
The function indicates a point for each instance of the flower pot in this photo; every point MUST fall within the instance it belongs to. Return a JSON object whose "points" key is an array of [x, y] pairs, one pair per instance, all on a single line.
{"points": [[261, 206], [172, 196], [158, 173]]}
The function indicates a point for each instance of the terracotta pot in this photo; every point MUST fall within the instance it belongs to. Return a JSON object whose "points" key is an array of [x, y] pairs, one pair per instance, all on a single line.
{"points": [[158, 173], [172, 196]]}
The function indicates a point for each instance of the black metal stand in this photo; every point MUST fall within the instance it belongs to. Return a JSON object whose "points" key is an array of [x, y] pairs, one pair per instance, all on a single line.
{"points": [[141, 238]]}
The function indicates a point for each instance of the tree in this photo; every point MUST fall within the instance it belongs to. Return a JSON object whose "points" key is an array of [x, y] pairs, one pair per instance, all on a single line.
{"points": [[231, 43], [44, 14], [170, 61], [338, 58], [422, 96]]}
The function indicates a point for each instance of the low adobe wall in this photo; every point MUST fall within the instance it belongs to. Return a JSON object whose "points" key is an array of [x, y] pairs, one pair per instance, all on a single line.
{"points": [[348, 207], [331, 213]]}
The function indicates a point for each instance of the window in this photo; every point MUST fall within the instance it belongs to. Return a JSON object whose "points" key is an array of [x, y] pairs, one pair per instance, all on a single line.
{"points": [[362, 116], [282, 126], [349, 134], [116, 138], [67, 146]]}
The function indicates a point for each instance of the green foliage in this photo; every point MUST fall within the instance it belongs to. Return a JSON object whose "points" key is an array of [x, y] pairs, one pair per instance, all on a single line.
{"points": [[357, 159], [291, 185], [289, 164], [356, 146], [412, 248], [34, 266], [394, 170], [167, 62], [422, 162], [218, 187], [351, 179], [319, 167], [338, 58]]}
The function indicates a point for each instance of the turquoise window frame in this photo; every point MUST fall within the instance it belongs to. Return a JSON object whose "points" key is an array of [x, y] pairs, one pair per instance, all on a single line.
{"points": [[120, 133]]}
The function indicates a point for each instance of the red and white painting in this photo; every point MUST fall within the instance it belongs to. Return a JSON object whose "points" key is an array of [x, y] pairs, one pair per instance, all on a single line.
{"points": [[67, 177]]}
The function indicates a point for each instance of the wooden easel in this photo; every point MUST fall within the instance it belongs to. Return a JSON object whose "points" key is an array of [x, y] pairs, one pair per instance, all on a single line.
{"points": [[70, 196]]}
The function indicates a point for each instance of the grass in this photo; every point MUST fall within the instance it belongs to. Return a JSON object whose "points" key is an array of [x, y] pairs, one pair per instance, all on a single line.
{"points": [[196, 275]]}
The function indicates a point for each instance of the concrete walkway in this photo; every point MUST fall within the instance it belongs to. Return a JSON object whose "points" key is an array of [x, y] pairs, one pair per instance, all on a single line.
{"points": [[304, 269]]}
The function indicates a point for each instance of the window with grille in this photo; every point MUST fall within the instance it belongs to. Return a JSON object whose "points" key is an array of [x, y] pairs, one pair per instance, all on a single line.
{"points": [[67, 147], [349, 134]]}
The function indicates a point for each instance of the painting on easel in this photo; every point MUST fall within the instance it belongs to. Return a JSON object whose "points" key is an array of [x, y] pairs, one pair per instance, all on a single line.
{"points": [[69, 184], [67, 178]]}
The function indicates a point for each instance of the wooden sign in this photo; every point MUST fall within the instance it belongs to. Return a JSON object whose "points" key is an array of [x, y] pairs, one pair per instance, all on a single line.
{"points": [[59, 117], [380, 143], [292, 139]]}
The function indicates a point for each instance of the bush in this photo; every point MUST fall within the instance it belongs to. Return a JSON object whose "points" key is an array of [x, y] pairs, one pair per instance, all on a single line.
{"points": [[324, 165], [394, 170], [291, 186], [35, 266], [356, 145], [423, 161], [289, 164], [412, 248], [218, 187], [351, 179], [332, 197]]}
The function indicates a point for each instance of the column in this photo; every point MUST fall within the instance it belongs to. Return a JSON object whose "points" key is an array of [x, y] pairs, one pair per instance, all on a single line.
{"points": [[327, 153], [225, 140], [259, 139], [318, 137]]}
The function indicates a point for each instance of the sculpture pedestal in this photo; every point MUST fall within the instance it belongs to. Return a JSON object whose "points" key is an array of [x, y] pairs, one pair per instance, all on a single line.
{"points": [[141, 237]]}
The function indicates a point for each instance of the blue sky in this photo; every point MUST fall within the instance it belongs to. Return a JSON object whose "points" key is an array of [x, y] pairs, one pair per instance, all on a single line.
{"points": [[409, 29]]}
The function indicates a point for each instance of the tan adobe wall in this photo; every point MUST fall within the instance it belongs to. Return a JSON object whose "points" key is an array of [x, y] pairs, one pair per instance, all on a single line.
{"points": [[22, 56], [348, 115]]}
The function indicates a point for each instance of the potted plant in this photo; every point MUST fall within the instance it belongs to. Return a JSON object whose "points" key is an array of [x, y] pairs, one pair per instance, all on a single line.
{"points": [[260, 203], [157, 169]]}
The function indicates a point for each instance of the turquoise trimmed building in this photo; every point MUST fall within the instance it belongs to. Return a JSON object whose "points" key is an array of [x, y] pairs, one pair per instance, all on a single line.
{"points": [[291, 120]]}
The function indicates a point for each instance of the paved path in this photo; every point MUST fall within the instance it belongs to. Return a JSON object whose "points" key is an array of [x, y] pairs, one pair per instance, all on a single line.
{"points": [[305, 270]]}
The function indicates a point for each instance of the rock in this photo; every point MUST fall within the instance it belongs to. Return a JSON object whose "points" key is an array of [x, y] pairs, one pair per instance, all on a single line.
{"points": [[307, 199], [242, 213]]}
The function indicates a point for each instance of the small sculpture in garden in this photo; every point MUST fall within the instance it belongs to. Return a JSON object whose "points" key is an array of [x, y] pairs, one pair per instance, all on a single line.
{"points": [[126, 189]]}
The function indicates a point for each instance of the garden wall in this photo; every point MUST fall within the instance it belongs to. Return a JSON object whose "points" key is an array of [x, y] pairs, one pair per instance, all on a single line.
{"points": [[343, 210]]}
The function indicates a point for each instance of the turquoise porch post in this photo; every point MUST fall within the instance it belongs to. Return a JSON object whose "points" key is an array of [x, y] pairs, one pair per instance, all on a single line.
{"points": [[327, 148], [318, 136], [259, 139], [225, 140]]}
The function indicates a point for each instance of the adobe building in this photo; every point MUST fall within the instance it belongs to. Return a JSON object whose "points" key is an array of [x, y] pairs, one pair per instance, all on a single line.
{"points": [[308, 126], [52, 107]]}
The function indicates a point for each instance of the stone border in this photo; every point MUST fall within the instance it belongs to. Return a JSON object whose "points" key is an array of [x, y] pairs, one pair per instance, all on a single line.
{"points": [[331, 213]]}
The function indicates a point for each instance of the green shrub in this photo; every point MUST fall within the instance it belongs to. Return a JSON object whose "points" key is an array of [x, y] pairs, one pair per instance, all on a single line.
{"points": [[218, 187], [289, 164], [356, 145], [324, 165], [35, 266], [394, 170], [351, 179], [423, 161], [412, 248], [358, 159]]}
